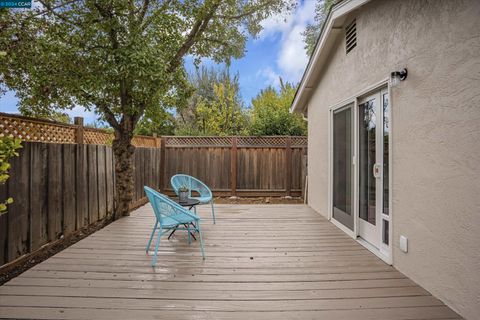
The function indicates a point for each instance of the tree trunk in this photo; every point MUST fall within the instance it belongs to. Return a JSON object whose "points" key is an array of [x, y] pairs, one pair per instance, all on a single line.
{"points": [[123, 151]]}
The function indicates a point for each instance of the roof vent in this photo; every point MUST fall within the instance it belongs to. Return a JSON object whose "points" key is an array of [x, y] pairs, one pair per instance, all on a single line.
{"points": [[351, 36]]}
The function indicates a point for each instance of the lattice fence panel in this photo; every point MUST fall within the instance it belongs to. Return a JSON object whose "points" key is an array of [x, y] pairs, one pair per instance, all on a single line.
{"points": [[198, 141], [265, 142], [299, 142], [29, 130], [94, 136], [144, 142]]}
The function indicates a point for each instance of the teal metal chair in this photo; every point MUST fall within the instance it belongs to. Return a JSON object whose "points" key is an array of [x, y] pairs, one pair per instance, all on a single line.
{"points": [[170, 216], [193, 184]]}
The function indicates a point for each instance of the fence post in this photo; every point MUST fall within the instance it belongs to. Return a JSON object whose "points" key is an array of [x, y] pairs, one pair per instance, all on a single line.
{"points": [[162, 163], [233, 166], [288, 163], [304, 172], [79, 132]]}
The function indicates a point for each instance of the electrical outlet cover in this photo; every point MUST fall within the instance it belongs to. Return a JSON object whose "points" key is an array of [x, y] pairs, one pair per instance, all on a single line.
{"points": [[403, 243]]}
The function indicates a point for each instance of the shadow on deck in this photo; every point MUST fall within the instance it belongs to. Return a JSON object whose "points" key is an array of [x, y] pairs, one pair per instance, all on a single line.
{"points": [[263, 262]]}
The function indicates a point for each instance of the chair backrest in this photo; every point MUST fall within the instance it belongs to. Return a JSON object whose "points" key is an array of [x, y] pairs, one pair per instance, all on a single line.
{"points": [[163, 206], [191, 183]]}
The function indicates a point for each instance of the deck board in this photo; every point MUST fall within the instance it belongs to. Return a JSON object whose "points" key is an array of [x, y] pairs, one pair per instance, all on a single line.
{"points": [[263, 262]]}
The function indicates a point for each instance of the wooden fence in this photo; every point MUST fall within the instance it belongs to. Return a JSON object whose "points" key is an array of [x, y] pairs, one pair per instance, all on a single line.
{"points": [[61, 188], [248, 166], [244, 166], [64, 178]]}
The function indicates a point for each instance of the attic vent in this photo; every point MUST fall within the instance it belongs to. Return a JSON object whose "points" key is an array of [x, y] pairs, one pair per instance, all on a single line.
{"points": [[351, 36]]}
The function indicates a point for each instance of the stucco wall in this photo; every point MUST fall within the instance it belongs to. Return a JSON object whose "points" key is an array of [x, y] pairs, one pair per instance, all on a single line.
{"points": [[435, 135]]}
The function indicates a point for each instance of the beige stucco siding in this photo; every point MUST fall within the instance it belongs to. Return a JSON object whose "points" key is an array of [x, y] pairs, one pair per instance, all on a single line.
{"points": [[435, 135]]}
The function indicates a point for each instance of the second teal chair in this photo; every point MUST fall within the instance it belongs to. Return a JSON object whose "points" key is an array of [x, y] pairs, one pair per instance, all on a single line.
{"points": [[193, 184]]}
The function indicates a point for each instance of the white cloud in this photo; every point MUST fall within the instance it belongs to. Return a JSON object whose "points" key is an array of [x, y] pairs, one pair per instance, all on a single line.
{"points": [[274, 25], [306, 12], [292, 57], [78, 111], [271, 77]]}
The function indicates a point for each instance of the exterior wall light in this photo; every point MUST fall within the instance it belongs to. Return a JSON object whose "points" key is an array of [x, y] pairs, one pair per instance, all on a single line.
{"points": [[397, 76]]}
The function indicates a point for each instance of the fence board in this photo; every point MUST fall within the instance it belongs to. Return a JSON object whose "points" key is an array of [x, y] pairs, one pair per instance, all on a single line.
{"points": [[146, 169], [143, 171], [69, 188], [297, 174], [102, 187], [162, 173], [109, 173], [38, 195], [55, 195], [3, 227], [18, 211], [81, 186], [92, 183], [137, 174]]}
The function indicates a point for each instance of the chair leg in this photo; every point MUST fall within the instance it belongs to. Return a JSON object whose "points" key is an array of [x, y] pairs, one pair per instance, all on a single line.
{"points": [[201, 239], [213, 212], [151, 236], [189, 237], [157, 244]]}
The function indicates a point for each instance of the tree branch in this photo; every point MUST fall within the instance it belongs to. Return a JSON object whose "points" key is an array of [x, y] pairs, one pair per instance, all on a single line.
{"points": [[53, 8], [56, 14], [109, 115], [248, 12], [198, 28], [143, 11], [220, 42]]}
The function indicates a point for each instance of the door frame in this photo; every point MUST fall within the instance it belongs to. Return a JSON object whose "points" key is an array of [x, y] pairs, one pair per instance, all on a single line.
{"points": [[383, 252]]}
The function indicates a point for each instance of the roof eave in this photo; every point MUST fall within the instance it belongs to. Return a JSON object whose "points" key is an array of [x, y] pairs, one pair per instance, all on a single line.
{"points": [[321, 51]]}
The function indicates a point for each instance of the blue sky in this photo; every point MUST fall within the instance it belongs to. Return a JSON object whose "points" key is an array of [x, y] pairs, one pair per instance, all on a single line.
{"points": [[277, 52]]}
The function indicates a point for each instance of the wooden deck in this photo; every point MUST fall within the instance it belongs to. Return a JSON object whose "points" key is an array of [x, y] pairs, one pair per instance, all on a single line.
{"points": [[263, 262]]}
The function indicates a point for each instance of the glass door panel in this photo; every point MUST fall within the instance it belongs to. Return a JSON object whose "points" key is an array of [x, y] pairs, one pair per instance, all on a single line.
{"points": [[342, 167], [386, 136], [367, 160]]}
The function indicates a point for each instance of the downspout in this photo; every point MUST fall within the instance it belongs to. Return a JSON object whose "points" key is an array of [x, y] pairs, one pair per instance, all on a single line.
{"points": [[303, 113]]}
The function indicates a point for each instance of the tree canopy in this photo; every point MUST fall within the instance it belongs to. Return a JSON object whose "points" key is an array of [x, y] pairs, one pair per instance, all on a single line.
{"points": [[270, 113], [120, 58], [156, 121], [215, 107]]}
